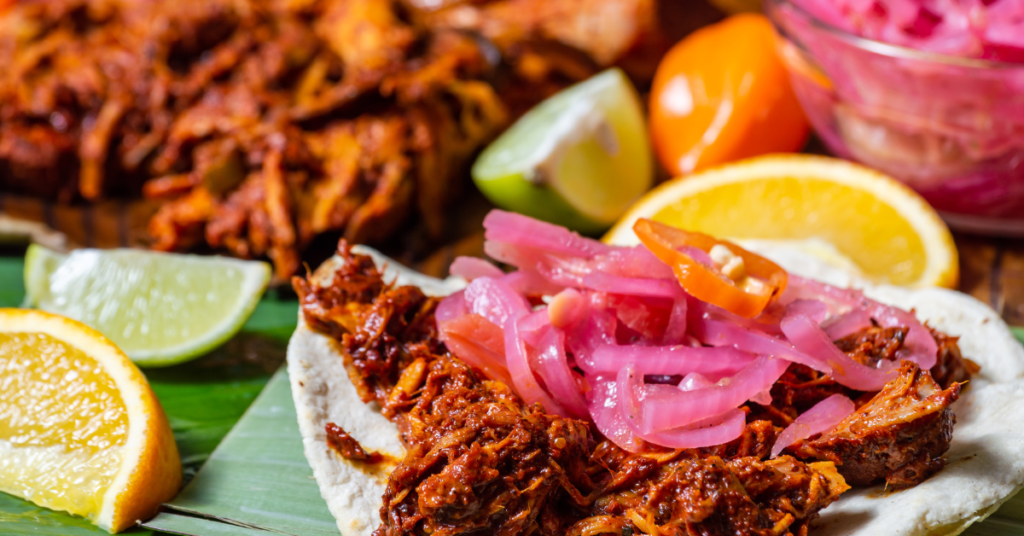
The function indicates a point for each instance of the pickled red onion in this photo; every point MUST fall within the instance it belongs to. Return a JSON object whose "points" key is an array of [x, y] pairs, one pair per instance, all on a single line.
{"points": [[654, 288], [814, 309], [719, 333], [808, 337], [478, 342], [603, 404], [694, 380], [919, 345], [532, 327], [553, 367], [637, 262], [847, 324], [715, 430], [531, 283], [513, 228], [618, 314], [471, 268], [824, 416], [523, 380], [567, 308], [667, 360], [989, 29], [495, 300], [597, 329], [675, 331], [451, 307], [705, 432], [687, 407]]}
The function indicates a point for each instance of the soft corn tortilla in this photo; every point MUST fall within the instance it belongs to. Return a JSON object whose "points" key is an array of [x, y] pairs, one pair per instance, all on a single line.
{"points": [[323, 393], [985, 460]]}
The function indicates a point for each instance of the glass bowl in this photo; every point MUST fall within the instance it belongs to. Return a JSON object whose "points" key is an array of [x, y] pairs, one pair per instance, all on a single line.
{"points": [[952, 128]]}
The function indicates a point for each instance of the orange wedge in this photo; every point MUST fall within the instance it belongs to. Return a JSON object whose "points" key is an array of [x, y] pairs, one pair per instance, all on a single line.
{"points": [[80, 429]]}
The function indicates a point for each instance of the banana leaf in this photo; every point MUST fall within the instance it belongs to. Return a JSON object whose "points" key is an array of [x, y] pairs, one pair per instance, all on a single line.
{"points": [[257, 479]]}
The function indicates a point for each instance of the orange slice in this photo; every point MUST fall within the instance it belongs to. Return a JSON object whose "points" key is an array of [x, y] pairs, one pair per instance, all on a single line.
{"points": [[886, 229]]}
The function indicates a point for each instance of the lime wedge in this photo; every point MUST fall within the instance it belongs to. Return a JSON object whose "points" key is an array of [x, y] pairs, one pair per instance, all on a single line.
{"points": [[159, 308], [578, 159]]}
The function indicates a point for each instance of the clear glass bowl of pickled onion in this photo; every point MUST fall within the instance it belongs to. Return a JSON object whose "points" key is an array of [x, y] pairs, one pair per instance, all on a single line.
{"points": [[935, 102]]}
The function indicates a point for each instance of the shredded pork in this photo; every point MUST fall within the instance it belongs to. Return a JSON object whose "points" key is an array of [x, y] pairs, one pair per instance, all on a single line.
{"points": [[480, 461]]}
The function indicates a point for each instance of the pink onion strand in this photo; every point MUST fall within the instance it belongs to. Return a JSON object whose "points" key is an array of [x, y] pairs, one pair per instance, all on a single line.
{"points": [[472, 267], [824, 416], [687, 407], [807, 337]]}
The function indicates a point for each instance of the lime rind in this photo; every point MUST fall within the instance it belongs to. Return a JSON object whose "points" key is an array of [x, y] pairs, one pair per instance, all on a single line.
{"points": [[161, 309]]}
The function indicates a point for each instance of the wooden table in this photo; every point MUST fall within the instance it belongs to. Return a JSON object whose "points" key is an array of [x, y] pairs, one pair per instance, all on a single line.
{"points": [[992, 270]]}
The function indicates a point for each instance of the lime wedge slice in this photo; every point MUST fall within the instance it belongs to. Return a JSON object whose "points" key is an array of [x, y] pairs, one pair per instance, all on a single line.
{"points": [[159, 308], [578, 159]]}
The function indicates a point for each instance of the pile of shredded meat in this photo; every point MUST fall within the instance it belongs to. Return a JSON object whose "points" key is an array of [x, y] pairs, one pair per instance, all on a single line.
{"points": [[264, 123], [480, 461]]}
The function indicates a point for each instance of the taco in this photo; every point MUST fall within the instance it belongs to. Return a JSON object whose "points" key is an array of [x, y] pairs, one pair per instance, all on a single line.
{"points": [[417, 416]]}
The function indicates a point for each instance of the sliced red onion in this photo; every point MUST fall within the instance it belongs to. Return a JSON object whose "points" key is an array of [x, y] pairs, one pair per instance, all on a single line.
{"points": [[834, 297], [762, 323], [451, 307], [716, 430], [667, 360], [634, 262], [523, 380], [641, 320], [687, 407], [694, 380], [764, 397], [567, 308], [531, 283], [814, 309], [478, 343], [919, 346], [471, 268], [720, 333], [653, 288], [631, 390], [807, 337], [704, 432], [521, 257], [521, 230], [597, 329], [603, 403], [675, 331], [824, 416], [847, 324], [533, 325], [553, 367], [495, 300], [568, 273]]}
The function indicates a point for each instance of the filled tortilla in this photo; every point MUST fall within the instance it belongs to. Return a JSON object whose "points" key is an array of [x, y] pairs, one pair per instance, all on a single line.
{"points": [[984, 463]]}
